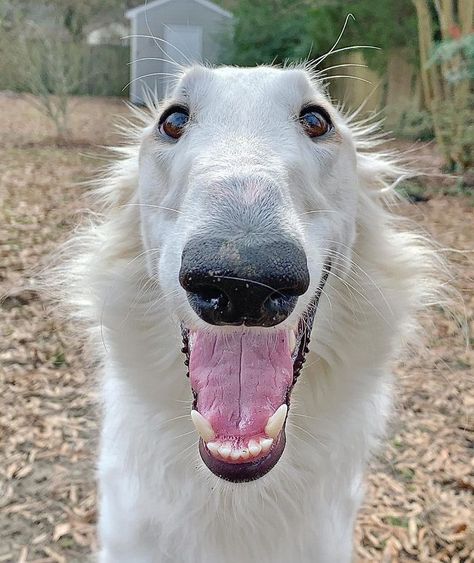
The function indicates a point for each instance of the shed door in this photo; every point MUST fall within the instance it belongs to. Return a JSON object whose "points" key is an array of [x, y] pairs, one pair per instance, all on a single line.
{"points": [[183, 46]]}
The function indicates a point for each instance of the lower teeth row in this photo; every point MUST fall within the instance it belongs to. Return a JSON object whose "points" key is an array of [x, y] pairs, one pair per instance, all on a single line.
{"points": [[226, 451]]}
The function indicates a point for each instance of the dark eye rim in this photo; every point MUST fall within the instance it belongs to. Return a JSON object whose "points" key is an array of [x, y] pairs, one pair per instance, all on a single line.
{"points": [[313, 108], [175, 108]]}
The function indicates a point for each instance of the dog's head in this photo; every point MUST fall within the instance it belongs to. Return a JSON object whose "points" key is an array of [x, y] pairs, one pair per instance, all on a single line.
{"points": [[248, 199]]}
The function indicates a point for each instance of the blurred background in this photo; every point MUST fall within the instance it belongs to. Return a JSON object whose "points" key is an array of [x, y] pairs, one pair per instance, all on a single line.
{"points": [[67, 68]]}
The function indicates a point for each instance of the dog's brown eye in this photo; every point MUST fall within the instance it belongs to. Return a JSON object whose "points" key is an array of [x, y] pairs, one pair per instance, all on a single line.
{"points": [[173, 122], [315, 122]]}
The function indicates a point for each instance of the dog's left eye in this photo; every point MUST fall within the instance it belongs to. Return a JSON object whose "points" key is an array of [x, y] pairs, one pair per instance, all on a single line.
{"points": [[173, 122], [315, 121]]}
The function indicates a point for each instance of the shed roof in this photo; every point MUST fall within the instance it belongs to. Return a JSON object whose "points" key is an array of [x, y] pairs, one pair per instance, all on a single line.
{"points": [[147, 6]]}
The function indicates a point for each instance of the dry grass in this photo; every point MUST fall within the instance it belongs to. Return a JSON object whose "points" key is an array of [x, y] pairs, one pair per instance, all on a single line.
{"points": [[91, 121], [419, 505]]}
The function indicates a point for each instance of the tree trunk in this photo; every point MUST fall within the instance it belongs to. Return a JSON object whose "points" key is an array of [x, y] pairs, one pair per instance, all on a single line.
{"points": [[445, 98]]}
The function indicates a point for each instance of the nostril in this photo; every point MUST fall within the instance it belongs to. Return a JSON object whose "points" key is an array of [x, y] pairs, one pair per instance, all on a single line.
{"points": [[278, 306], [212, 305], [211, 297], [280, 299]]}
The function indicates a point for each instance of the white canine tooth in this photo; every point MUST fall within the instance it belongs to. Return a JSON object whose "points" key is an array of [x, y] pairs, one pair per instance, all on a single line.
{"points": [[266, 444], [254, 448], [224, 450], [203, 426], [292, 340], [212, 447], [276, 421]]}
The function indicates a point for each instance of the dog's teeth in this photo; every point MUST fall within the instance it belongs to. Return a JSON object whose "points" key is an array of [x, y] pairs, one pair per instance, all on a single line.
{"points": [[213, 447], [292, 341], [276, 421], [203, 426], [224, 450], [254, 448], [235, 454], [266, 444]]}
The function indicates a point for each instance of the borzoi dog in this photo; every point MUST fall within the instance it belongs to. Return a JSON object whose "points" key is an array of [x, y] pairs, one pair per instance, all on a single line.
{"points": [[250, 288]]}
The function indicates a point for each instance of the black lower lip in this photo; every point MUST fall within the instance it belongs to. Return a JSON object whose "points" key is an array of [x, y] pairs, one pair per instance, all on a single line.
{"points": [[247, 471]]}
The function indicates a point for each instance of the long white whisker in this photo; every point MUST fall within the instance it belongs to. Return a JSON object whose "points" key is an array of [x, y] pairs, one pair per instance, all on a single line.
{"points": [[320, 211], [370, 278], [331, 50], [345, 65], [168, 420], [151, 206], [253, 282], [185, 57], [293, 413], [317, 440], [158, 59], [292, 432], [364, 297], [351, 48], [185, 434], [142, 76], [151, 36], [182, 452], [155, 304], [352, 77]]}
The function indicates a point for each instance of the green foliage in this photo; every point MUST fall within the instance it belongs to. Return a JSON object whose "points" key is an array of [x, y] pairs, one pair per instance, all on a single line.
{"points": [[413, 192], [398, 521], [269, 31], [458, 51], [278, 30], [415, 125], [386, 25], [59, 359], [455, 121], [461, 188]]}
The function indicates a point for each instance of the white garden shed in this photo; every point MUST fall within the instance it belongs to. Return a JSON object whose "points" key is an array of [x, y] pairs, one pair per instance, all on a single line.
{"points": [[186, 30]]}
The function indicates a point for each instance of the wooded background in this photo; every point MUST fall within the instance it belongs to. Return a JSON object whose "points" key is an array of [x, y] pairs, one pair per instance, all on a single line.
{"points": [[413, 60]]}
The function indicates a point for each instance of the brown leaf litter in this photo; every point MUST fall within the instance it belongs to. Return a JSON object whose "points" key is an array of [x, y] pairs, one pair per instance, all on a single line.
{"points": [[419, 503]]}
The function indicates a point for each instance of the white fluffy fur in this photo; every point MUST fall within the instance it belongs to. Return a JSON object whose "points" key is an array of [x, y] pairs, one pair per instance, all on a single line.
{"points": [[158, 502]]}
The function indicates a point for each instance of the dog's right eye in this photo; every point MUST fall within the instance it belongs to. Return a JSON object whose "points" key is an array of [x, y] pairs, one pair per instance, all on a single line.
{"points": [[315, 121], [173, 122]]}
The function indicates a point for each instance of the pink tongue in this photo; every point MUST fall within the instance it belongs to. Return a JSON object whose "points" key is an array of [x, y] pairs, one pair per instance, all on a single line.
{"points": [[240, 378]]}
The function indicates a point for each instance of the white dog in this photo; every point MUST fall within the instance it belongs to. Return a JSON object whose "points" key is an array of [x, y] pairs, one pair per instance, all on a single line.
{"points": [[248, 217]]}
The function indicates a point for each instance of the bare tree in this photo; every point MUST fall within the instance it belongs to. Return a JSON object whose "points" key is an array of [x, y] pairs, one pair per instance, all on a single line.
{"points": [[50, 69], [49, 55]]}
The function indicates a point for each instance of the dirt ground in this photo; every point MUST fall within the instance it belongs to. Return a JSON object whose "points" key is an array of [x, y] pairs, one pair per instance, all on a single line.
{"points": [[419, 504]]}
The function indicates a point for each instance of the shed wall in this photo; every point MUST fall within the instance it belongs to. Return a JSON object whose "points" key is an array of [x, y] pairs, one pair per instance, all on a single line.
{"points": [[154, 21]]}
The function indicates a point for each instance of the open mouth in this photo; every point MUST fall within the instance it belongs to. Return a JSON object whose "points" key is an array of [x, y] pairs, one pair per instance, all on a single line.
{"points": [[242, 382]]}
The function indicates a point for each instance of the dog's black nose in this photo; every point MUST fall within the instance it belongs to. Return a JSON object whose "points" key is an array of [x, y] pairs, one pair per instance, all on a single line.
{"points": [[234, 283]]}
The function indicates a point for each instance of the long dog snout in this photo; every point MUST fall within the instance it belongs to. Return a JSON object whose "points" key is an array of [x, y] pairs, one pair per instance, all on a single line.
{"points": [[235, 282]]}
